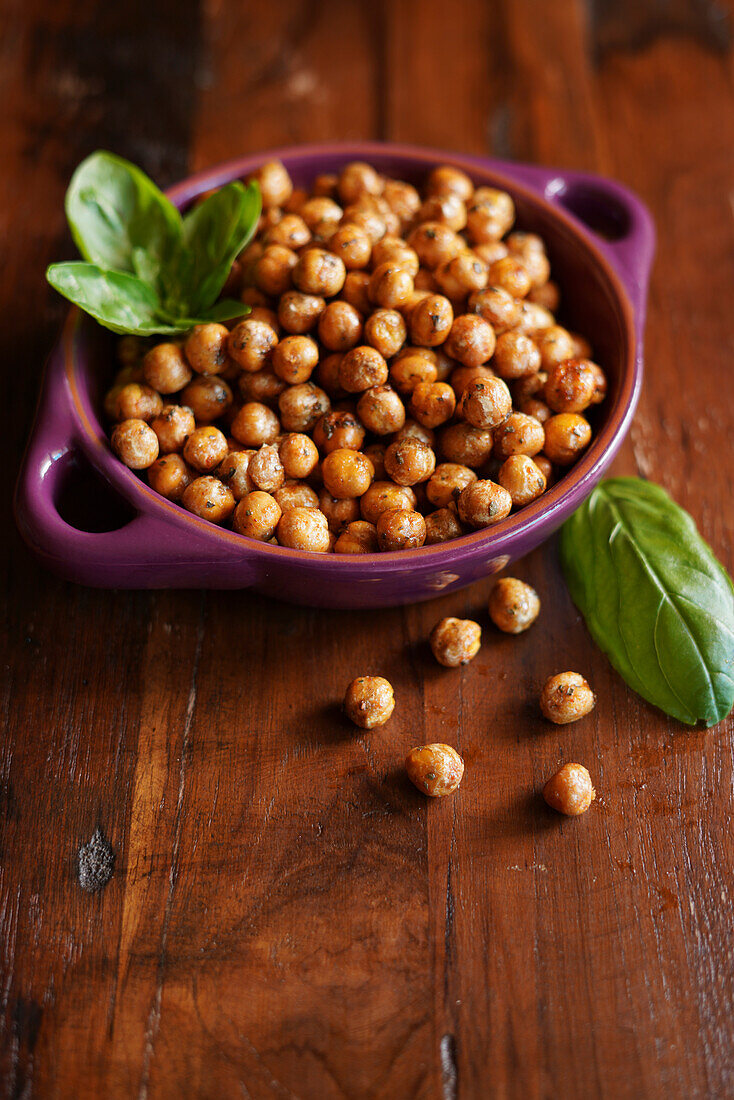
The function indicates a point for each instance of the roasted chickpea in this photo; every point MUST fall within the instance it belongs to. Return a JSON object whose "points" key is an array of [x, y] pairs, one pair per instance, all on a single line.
{"points": [[385, 331], [291, 232], [251, 344], [567, 435], [432, 403], [581, 346], [513, 605], [255, 424], [486, 403], [489, 215], [483, 503], [572, 385], [535, 263], [570, 790], [208, 499], [549, 296], [394, 250], [435, 244], [431, 320], [206, 349], [455, 642], [490, 251], [408, 461], [463, 275], [532, 406], [337, 430], [518, 435], [376, 454], [442, 526], [322, 215], [471, 340], [545, 466], [516, 356], [357, 179], [301, 406], [304, 529], [298, 312], [367, 216], [347, 473], [257, 516], [173, 426], [320, 273], [169, 476], [412, 429], [400, 529], [496, 306], [263, 386], [447, 483], [510, 274], [369, 701], [352, 245], [273, 271], [361, 369], [205, 448], [208, 397], [327, 375], [356, 291], [340, 327], [296, 494], [554, 344], [165, 369], [465, 444], [326, 184], [408, 371], [130, 350], [294, 359], [566, 697], [445, 180], [436, 770], [390, 286], [135, 443], [385, 496], [381, 410], [522, 479], [534, 319], [358, 537], [339, 512], [138, 402], [461, 377], [448, 209], [265, 469], [424, 280], [299, 454], [233, 471], [109, 404], [402, 198], [274, 182]]}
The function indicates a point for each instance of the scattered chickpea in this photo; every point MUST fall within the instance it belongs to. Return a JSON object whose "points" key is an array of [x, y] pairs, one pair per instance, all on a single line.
{"points": [[165, 369], [262, 386], [572, 385], [465, 444], [352, 245], [339, 511], [449, 209], [566, 698], [296, 494], [471, 340], [390, 286], [369, 701], [489, 215], [436, 770], [519, 434], [291, 231], [251, 343], [385, 330], [431, 320], [356, 291], [169, 476], [233, 471], [356, 180], [447, 483], [274, 183], [340, 327], [385, 496], [335, 430], [554, 344], [407, 371], [358, 537], [135, 443], [513, 605], [319, 272], [455, 642], [401, 529], [497, 307], [570, 790]]}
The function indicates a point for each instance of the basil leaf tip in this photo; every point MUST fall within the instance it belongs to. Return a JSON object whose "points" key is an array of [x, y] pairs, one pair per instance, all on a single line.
{"points": [[655, 598]]}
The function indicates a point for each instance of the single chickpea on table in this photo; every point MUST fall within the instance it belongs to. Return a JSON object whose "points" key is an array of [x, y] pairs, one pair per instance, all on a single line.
{"points": [[399, 338]]}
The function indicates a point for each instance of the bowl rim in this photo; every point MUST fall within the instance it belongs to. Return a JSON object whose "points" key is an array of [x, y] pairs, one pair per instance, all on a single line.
{"points": [[548, 510]]}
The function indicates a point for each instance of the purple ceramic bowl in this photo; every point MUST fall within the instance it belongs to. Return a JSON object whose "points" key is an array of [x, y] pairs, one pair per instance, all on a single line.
{"points": [[90, 519]]}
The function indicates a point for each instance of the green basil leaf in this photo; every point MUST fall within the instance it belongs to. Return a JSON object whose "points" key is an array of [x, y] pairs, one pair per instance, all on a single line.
{"points": [[224, 310], [119, 301], [120, 220], [654, 597], [214, 233]]}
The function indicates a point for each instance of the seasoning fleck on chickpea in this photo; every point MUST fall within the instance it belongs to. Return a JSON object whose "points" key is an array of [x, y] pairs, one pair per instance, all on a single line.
{"points": [[339, 512], [432, 403], [381, 410], [496, 306], [455, 642], [173, 425], [518, 435], [572, 385], [483, 503], [567, 435], [298, 454], [471, 340], [265, 469], [165, 369], [361, 369], [486, 403], [138, 402], [431, 320], [340, 327], [400, 529], [274, 182], [386, 331], [304, 529], [442, 526], [251, 343], [205, 448], [570, 790], [385, 496], [255, 424], [257, 516], [409, 461], [513, 605], [465, 444], [169, 476], [208, 396], [358, 537], [347, 473], [294, 359], [522, 479], [436, 769], [566, 698], [135, 443], [319, 272], [209, 499], [301, 406], [233, 471]]}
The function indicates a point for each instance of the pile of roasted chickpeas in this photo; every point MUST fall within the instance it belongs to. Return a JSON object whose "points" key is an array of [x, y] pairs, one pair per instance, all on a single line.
{"points": [[400, 380], [437, 769]]}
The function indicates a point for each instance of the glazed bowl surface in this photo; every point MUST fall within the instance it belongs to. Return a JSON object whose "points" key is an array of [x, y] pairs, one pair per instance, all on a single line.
{"points": [[93, 521]]}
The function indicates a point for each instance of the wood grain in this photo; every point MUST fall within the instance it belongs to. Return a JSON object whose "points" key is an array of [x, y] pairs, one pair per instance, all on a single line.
{"points": [[287, 917]]}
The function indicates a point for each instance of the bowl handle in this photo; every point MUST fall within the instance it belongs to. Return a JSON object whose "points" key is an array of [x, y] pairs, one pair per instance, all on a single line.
{"points": [[136, 554]]}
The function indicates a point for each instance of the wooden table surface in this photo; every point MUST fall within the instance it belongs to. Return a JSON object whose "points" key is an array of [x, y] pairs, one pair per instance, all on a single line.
{"points": [[287, 917]]}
